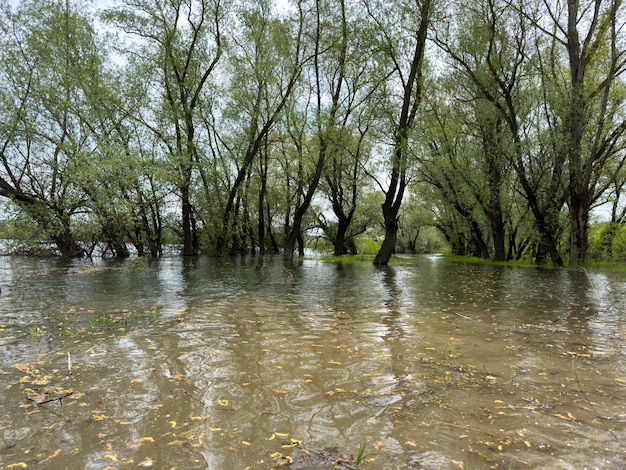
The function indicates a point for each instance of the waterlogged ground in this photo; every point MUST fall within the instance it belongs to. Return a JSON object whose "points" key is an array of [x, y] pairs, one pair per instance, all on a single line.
{"points": [[248, 363]]}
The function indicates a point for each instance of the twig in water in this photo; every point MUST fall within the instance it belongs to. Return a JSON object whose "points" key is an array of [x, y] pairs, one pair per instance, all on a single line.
{"points": [[49, 400], [69, 365]]}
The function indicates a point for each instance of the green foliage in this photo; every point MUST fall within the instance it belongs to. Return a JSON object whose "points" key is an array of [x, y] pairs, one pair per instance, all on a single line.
{"points": [[368, 246], [225, 109], [607, 242]]}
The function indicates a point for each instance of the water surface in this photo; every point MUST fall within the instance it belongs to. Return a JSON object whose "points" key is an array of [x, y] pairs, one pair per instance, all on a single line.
{"points": [[249, 363]]}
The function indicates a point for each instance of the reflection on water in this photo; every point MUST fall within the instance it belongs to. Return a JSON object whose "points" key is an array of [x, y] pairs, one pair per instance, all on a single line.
{"points": [[246, 362]]}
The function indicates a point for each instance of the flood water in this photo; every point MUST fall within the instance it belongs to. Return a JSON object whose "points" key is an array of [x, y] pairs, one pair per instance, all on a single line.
{"points": [[249, 363]]}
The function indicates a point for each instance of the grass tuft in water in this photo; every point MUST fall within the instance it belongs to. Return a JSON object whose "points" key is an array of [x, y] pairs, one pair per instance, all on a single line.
{"points": [[362, 456], [34, 329], [450, 352]]}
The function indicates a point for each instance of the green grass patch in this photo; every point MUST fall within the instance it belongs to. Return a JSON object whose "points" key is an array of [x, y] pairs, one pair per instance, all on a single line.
{"points": [[606, 267], [358, 259]]}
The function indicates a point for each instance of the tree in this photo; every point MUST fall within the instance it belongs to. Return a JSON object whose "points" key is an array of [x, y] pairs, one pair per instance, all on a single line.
{"points": [[491, 50], [588, 38], [329, 77], [51, 64], [266, 65], [183, 43], [403, 30]]}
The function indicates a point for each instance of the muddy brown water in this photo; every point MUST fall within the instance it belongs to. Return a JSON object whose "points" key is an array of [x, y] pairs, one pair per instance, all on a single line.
{"points": [[249, 363]]}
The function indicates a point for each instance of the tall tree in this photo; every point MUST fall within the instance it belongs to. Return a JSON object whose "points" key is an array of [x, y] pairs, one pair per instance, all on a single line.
{"points": [[592, 36], [50, 67], [183, 41], [266, 64], [329, 75], [491, 51], [403, 29]]}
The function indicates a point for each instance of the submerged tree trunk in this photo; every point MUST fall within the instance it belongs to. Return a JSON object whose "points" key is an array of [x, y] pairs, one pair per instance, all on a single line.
{"points": [[67, 244], [388, 247], [188, 249]]}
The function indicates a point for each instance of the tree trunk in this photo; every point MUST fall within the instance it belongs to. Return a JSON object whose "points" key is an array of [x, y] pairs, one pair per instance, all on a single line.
{"points": [[388, 247], [340, 241], [67, 245], [579, 238], [481, 250], [186, 221], [499, 236]]}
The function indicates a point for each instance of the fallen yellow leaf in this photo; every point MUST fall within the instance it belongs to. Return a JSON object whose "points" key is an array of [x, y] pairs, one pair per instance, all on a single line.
{"points": [[111, 457]]}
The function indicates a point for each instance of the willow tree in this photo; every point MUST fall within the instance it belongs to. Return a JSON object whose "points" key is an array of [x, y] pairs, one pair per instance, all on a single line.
{"points": [[588, 39], [182, 42], [402, 28], [50, 66], [491, 50], [265, 65]]}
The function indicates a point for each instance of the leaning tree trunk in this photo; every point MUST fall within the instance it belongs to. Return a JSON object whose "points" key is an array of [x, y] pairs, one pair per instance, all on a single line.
{"points": [[67, 245], [388, 247]]}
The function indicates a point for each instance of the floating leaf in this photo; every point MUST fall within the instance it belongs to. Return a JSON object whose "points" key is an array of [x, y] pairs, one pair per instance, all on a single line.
{"points": [[569, 417], [147, 462], [214, 429], [144, 439], [246, 443], [223, 402], [111, 457], [17, 465]]}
